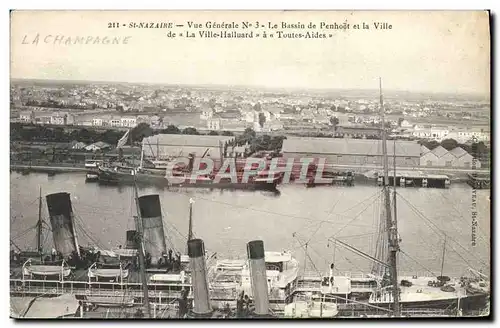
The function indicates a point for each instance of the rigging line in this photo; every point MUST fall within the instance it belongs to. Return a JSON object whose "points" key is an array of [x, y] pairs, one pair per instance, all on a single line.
{"points": [[356, 217], [441, 231], [376, 194], [276, 213], [465, 220], [332, 236], [444, 234], [24, 232], [411, 258]]}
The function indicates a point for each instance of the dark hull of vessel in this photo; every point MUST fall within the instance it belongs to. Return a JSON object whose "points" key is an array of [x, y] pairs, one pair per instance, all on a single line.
{"points": [[467, 303], [110, 177]]}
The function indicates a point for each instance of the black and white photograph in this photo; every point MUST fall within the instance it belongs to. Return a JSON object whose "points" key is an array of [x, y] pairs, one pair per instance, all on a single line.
{"points": [[306, 165]]}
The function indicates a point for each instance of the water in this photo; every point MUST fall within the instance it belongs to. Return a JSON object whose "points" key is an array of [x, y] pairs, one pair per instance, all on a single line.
{"points": [[227, 220]]}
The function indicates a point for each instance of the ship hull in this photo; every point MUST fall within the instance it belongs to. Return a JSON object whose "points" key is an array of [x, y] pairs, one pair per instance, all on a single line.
{"points": [[467, 303], [110, 177]]}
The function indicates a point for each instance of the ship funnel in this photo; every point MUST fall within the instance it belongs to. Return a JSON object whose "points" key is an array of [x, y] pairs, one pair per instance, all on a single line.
{"points": [[258, 278], [131, 239], [196, 252], [152, 227], [61, 220]]}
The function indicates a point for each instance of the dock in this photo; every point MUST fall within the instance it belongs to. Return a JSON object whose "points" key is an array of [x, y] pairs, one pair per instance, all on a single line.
{"points": [[479, 181], [416, 179]]}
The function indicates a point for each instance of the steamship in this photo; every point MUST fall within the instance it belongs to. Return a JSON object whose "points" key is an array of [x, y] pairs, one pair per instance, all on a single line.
{"points": [[117, 277]]}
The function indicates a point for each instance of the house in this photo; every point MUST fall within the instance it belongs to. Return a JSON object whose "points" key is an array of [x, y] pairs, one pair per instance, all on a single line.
{"points": [[115, 122], [78, 145], [58, 118], [405, 124], [128, 122], [206, 114], [97, 122], [98, 146], [214, 124], [26, 116]]}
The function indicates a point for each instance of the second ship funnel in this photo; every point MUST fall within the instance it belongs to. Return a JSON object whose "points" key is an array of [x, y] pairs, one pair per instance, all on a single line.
{"points": [[152, 225], [258, 278]]}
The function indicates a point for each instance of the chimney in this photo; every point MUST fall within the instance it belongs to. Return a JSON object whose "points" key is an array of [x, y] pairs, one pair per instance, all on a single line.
{"points": [[152, 227], [196, 252], [61, 220], [258, 278]]}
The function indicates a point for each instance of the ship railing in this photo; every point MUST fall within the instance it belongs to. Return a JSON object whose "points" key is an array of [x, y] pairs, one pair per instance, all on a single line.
{"points": [[426, 312], [309, 275]]}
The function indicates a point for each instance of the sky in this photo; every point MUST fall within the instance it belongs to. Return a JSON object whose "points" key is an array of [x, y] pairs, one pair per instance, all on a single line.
{"points": [[441, 51]]}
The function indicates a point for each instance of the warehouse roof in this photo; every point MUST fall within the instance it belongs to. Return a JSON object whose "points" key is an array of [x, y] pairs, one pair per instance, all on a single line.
{"points": [[349, 146], [424, 150], [439, 151], [182, 145], [458, 152]]}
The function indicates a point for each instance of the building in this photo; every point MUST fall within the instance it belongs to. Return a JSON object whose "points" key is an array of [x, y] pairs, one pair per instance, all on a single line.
{"points": [[357, 131], [164, 146], [98, 146], [428, 158], [432, 133], [97, 122], [128, 122], [463, 159], [26, 116], [465, 135], [61, 118], [42, 118], [214, 124], [352, 151], [78, 145], [206, 114], [445, 158], [115, 122]]}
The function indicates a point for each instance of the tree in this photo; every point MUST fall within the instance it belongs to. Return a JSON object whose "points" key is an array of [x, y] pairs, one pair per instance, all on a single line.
{"points": [[334, 121], [400, 120], [213, 133], [449, 144], [141, 131], [171, 129], [190, 130], [227, 133]]}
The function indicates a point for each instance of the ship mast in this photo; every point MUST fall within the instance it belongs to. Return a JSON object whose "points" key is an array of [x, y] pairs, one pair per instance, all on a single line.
{"points": [[39, 225], [190, 228], [444, 252], [140, 243], [390, 225], [394, 191]]}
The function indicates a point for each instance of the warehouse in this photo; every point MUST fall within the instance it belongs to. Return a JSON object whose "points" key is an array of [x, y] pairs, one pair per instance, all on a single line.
{"points": [[165, 146], [463, 159], [352, 151]]}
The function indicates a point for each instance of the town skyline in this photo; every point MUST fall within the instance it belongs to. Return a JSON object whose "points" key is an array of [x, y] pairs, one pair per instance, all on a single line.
{"points": [[386, 91]]}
